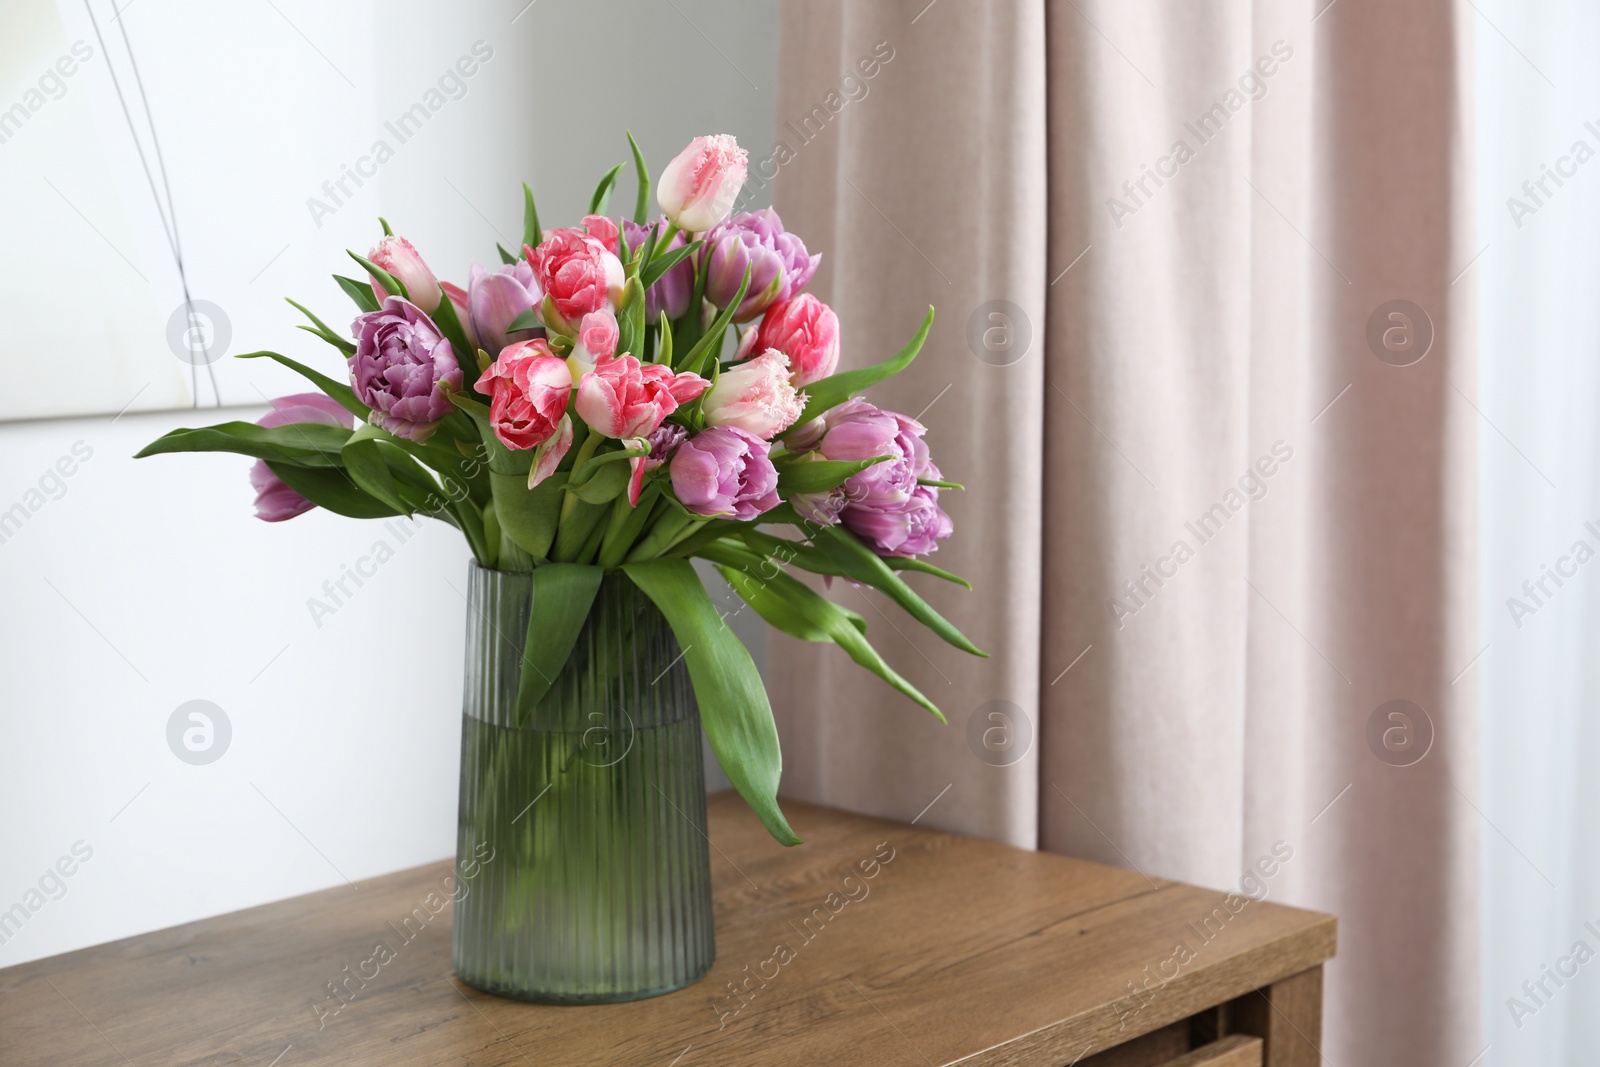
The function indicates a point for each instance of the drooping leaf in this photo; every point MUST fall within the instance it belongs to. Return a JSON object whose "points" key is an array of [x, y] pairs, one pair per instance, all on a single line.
{"points": [[798, 610], [733, 702], [835, 389], [862, 564], [304, 444], [331, 488], [339, 392], [819, 475], [562, 596]]}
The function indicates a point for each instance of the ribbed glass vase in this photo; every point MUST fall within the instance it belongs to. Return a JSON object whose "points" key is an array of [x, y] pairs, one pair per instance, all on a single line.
{"points": [[582, 865]]}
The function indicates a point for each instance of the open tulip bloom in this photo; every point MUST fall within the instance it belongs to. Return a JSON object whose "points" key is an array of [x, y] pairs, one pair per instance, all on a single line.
{"points": [[567, 432]]}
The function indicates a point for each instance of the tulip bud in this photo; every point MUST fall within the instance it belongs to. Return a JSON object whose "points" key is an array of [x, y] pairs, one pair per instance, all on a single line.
{"points": [[807, 331], [397, 256], [495, 300], [698, 188], [755, 396]]}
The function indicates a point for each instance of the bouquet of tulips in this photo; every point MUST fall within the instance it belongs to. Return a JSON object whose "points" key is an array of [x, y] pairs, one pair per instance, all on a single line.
{"points": [[625, 395]]}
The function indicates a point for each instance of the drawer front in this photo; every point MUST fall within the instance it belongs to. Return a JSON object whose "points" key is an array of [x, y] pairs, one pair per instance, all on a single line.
{"points": [[1235, 1051]]}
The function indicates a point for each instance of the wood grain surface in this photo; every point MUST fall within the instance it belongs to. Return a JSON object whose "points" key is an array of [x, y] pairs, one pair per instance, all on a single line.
{"points": [[952, 950]]}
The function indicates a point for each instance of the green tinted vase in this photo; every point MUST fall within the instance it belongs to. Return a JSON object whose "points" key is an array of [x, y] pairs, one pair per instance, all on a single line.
{"points": [[582, 866]]}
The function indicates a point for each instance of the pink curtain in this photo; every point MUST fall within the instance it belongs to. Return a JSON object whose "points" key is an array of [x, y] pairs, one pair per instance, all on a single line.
{"points": [[1220, 511]]}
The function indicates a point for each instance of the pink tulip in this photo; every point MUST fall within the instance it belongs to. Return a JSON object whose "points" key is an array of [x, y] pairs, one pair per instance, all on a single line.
{"points": [[755, 396], [577, 272], [528, 389], [597, 340], [605, 231], [699, 186], [807, 331], [397, 256], [623, 398]]}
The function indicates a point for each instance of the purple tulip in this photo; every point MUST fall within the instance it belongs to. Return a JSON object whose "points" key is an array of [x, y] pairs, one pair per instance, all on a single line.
{"points": [[673, 290], [778, 262], [857, 429], [664, 442], [275, 501], [401, 362], [724, 471], [913, 527], [494, 300]]}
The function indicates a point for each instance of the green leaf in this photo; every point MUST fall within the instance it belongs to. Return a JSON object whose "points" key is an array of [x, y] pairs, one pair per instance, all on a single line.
{"points": [[817, 475], [528, 516], [711, 343], [383, 470], [659, 266], [528, 320], [574, 530], [610, 482], [464, 350], [905, 563], [563, 593], [837, 388], [591, 466], [641, 203], [360, 292], [798, 610], [331, 488], [864, 565], [532, 236], [664, 340], [391, 285], [304, 444], [505, 257], [733, 703], [630, 320], [937, 484], [387, 232], [322, 331], [342, 394], [602, 192]]}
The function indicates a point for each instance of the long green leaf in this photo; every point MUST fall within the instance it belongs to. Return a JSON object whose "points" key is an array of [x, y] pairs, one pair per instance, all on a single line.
{"points": [[733, 702], [864, 565], [817, 475], [532, 236], [391, 285], [562, 596], [505, 256], [321, 329], [331, 488], [798, 610], [641, 203], [337, 391], [602, 192], [837, 388], [659, 266], [359, 292], [305, 444]]}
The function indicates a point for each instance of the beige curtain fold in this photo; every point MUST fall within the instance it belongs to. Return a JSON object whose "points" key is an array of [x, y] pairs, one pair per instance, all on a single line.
{"points": [[1210, 531]]}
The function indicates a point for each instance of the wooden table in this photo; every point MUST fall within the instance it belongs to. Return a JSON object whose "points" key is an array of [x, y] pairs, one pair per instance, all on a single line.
{"points": [[953, 951]]}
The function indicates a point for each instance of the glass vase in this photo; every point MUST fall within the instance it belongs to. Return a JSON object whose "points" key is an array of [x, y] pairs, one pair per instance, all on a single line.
{"points": [[582, 866]]}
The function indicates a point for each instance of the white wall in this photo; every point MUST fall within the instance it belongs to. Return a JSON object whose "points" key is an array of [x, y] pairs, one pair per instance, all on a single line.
{"points": [[1538, 387], [137, 586]]}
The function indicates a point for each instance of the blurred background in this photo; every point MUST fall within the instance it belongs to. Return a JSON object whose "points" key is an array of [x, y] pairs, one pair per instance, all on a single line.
{"points": [[245, 140]]}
